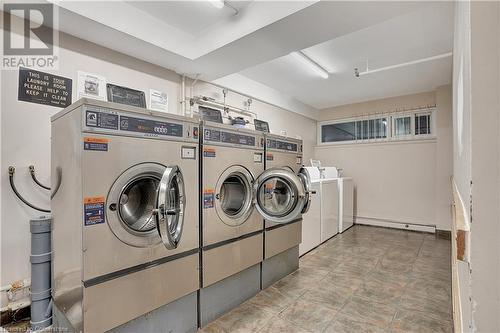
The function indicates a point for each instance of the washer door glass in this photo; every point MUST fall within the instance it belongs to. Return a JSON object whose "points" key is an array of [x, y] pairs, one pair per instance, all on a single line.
{"points": [[137, 203], [171, 206], [280, 195], [233, 195], [144, 202]]}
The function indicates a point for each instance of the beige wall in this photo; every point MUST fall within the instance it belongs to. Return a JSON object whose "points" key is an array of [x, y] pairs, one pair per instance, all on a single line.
{"points": [[25, 134], [379, 105], [406, 182]]}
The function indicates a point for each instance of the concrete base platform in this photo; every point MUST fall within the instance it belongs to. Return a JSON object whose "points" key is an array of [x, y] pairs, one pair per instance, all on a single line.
{"points": [[179, 316], [279, 266], [223, 296]]}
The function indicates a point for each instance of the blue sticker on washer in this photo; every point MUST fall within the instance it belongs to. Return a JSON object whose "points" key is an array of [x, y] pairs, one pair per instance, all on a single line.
{"points": [[93, 210], [208, 198], [208, 152]]}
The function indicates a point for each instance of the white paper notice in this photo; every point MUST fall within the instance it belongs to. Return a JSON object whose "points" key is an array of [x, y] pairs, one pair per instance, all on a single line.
{"points": [[91, 86], [158, 100]]}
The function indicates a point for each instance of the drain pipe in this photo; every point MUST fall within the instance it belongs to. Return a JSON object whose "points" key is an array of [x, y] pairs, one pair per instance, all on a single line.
{"points": [[41, 259]]}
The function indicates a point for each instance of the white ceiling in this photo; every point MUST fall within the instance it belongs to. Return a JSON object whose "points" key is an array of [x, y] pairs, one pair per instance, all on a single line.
{"points": [[423, 33], [190, 29], [195, 38], [193, 17]]}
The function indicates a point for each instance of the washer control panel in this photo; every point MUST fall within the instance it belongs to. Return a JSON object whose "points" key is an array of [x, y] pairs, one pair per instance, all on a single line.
{"points": [[282, 145], [102, 120], [231, 138]]}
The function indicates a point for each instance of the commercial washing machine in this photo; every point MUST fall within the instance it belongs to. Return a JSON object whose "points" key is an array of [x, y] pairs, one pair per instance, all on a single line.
{"points": [[287, 198], [234, 183], [125, 219]]}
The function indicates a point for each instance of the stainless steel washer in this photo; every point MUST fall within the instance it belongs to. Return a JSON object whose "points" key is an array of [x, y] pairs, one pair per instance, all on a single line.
{"points": [[125, 216], [288, 199], [237, 193]]}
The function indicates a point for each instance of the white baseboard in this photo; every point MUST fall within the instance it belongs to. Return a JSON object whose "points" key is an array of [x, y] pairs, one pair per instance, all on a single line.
{"points": [[395, 225]]}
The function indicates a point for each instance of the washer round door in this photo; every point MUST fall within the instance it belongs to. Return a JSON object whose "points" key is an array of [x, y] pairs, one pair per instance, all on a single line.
{"points": [[280, 195], [145, 205], [233, 195]]}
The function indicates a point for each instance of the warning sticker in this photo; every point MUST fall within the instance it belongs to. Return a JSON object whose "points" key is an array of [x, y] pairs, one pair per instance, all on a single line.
{"points": [[208, 198], [98, 144], [208, 152], [257, 157], [269, 157], [93, 210]]}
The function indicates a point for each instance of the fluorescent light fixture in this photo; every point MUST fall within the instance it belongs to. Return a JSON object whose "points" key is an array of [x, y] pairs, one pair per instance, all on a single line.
{"points": [[219, 4], [357, 73], [311, 64]]}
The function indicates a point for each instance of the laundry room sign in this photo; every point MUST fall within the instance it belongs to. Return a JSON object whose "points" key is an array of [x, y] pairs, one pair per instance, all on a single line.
{"points": [[44, 88]]}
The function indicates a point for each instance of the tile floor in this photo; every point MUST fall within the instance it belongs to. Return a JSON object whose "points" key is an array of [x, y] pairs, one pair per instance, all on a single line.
{"points": [[366, 280]]}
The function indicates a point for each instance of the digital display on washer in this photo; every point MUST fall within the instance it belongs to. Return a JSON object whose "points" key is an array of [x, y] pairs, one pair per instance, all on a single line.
{"points": [[281, 145], [148, 126], [239, 139]]}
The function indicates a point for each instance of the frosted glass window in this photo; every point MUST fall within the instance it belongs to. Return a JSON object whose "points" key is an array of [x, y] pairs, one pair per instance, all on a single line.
{"points": [[402, 126], [338, 132], [381, 128], [372, 130]]}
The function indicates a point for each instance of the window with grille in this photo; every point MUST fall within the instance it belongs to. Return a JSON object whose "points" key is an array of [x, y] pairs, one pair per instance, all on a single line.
{"points": [[423, 124], [388, 127]]}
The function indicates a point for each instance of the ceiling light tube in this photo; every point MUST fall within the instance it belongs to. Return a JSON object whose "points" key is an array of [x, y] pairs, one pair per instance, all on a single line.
{"points": [[311, 64], [219, 4], [357, 73]]}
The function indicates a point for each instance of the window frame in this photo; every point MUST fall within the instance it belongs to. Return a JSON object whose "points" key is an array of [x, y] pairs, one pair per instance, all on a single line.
{"points": [[432, 127], [390, 134], [394, 118]]}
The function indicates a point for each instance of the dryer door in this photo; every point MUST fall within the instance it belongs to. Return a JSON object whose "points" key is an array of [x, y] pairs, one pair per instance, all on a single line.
{"points": [[280, 195], [170, 205]]}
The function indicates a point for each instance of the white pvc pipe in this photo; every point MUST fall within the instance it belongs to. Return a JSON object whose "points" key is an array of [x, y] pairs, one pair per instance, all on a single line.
{"points": [[183, 95]]}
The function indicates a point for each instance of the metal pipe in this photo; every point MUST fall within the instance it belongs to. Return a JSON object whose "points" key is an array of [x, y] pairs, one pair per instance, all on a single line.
{"points": [[33, 176], [12, 170], [59, 180], [41, 260], [357, 73], [183, 95]]}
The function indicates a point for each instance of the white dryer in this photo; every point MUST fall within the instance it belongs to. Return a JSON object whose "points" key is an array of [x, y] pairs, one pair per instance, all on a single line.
{"points": [[311, 221], [345, 194], [346, 203], [125, 230], [330, 212]]}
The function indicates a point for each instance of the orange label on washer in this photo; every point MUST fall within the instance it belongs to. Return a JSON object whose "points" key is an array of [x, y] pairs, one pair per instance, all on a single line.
{"points": [[99, 144], [93, 210], [95, 140], [91, 200], [208, 198], [269, 157], [208, 152]]}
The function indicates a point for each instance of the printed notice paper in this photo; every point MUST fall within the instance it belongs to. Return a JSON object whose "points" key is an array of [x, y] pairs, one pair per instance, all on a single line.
{"points": [[158, 100]]}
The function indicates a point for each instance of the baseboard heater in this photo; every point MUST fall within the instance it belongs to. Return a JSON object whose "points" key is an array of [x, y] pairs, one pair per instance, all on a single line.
{"points": [[395, 224]]}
